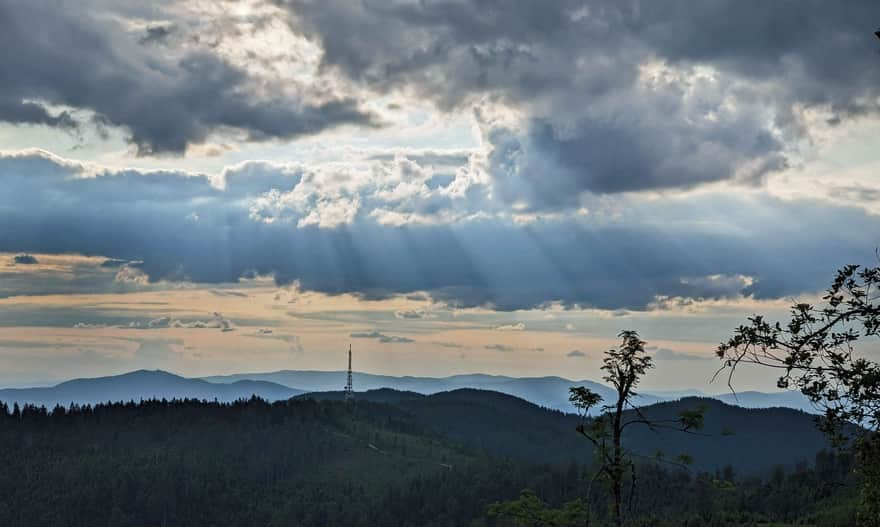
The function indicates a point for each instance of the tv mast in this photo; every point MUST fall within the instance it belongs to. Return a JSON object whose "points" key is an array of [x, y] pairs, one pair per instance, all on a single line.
{"points": [[349, 391]]}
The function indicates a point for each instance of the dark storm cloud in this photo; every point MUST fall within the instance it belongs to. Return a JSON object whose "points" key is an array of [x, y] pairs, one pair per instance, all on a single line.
{"points": [[156, 33], [708, 246], [75, 56], [25, 259], [723, 100], [26, 112], [113, 263]]}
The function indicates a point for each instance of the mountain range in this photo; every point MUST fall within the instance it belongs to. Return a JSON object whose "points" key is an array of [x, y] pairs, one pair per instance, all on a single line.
{"points": [[500, 424], [549, 392], [142, 385]]}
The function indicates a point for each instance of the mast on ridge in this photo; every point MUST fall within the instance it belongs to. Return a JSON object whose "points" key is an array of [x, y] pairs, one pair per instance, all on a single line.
{"points": [[349, 390]]}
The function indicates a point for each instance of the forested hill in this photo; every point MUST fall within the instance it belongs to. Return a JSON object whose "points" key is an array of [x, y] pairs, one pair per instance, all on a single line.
{"points": [[196, 463], [750, 440], [408, 461]]}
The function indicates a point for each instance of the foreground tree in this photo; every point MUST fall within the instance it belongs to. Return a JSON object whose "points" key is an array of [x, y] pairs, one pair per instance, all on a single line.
{"points": [[624, 368], [816, 352]]}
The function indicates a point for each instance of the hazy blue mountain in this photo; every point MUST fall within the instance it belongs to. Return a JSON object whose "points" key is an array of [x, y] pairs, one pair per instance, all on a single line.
{"points": [[750, 440], [506, 416], [747, 399], [788, 399], [668, 395], [144, 384], [550, 392]]}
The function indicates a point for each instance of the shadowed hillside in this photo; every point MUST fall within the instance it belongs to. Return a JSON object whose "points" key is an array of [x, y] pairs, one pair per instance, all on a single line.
{"points": [[748, 439], [427, 461]]}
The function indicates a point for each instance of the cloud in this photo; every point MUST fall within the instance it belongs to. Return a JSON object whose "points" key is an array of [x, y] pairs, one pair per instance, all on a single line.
{"points": [[385, 339], [667, 354], [157, 33], [89, 63], [87, 325], [576, 353], [519, 326], [24, 259], [452, 345], [499, 347], [418, 297], [218, 292], [218, 321], [611, 96], [114, 263], [413, 314], [130, 274], [855, 193], [706, 245]]}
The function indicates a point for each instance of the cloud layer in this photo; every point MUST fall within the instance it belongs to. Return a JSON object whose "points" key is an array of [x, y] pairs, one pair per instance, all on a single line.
{"points": [[99, 65], [591, 118], [606, 96], [175, 226]]}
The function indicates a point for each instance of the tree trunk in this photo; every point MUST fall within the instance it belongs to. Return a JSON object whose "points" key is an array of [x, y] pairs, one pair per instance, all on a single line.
{"points": [[618, 516], [617, 469]]}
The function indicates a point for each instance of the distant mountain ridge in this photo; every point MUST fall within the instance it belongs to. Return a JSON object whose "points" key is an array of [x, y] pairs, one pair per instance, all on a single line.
{"points": [[503, 424], [550, 392], [142, 385]]}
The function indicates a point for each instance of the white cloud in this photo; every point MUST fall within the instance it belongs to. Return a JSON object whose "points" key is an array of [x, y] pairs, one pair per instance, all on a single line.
{"points": [[413, 314], [218, 321], [518, 326], [381, 337]]}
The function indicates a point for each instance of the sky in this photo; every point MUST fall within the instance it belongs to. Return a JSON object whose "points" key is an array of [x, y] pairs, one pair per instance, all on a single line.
{"points": [[450, 186]]}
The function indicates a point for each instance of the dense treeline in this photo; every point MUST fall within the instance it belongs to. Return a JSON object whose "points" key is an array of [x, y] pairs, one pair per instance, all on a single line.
{"points": [[191, 463], [325, 463], [753, 440]]}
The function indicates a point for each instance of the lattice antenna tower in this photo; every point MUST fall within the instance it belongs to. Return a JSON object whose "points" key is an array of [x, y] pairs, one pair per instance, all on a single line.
{"points": [[349, 390]]}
